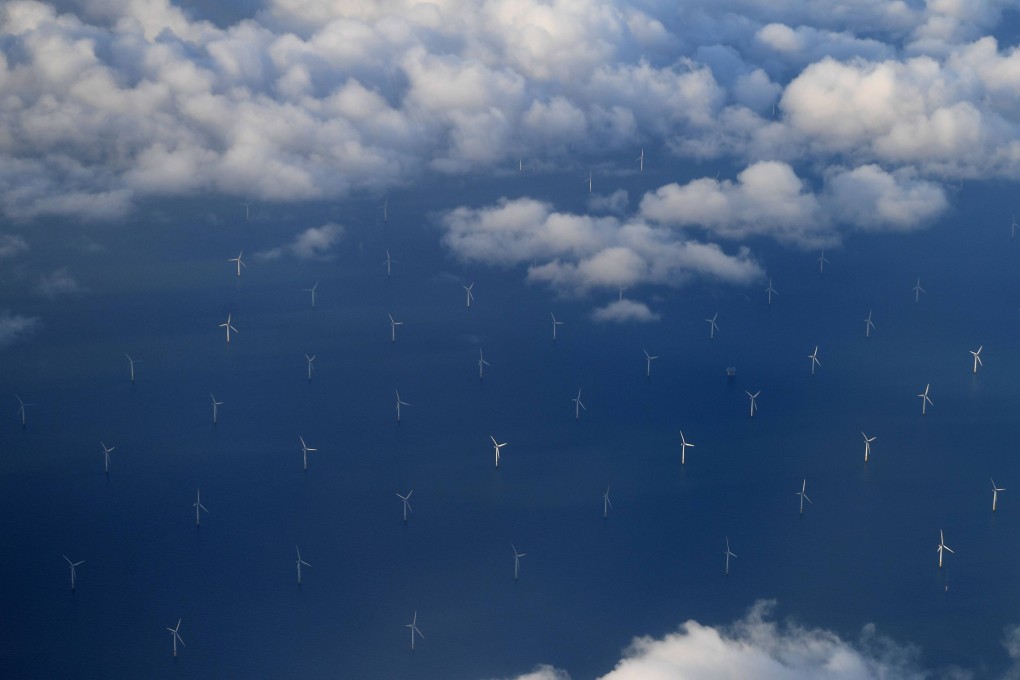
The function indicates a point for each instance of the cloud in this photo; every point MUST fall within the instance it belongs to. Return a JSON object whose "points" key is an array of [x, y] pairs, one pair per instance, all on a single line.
{"points": [[543, 672], [15, 327], [875, 200], [11, 245], [58, 282], [314, 243], [576, 253], [615, 202], [623, 311]]}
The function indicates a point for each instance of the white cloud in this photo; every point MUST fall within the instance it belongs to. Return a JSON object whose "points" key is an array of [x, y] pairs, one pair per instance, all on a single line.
{"points": [[873, 199], [15, 327], [58, 282], [314, 243], [615, 202], [623, 311], [11, 245], [543, 672]]}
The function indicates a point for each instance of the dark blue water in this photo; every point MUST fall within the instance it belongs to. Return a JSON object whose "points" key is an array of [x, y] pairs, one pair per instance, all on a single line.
{"points": [[863, 552]]}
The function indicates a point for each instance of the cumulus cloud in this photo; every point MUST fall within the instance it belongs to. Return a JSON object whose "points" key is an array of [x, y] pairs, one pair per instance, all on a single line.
{"points": [[314, 243], [11, 245], [15, 327], [57, 283], [576, 253], [623, 311]]}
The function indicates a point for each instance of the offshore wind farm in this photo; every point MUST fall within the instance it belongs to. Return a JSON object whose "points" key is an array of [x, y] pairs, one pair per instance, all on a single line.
{"points": [[586, 270]]}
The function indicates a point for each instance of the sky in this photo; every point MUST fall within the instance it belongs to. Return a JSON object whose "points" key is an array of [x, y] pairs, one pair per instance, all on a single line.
{"points": [[767, 125]]}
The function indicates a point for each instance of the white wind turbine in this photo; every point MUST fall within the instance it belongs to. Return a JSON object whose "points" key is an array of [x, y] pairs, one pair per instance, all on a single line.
{"points": [[198, 507], [407, 504], [393, 327], [238, 261], [814, 360], [641, 161], [606, 503], [918, 290], [712, 327], [497, 446], [648, 362], [176, 635], [517, 561], [754, 401], [683, 448], [399, 403], [310, 359], [312, 291], [299, 563], [482, 363], [555, 323], [468, 294], [728, 554], [995, 494], [803, 496], [389, 262], [305, 448], [385, 210], [977, 357], [215, 407], [771, 291], [822, 261], [131, 363], [74, 574], [925, 400], [869, 325], [414, 629], [578, 405], [21, 408], [588, 180], [867, 445], [106, 457], [229, 327], [942, 547], [247, 211]]}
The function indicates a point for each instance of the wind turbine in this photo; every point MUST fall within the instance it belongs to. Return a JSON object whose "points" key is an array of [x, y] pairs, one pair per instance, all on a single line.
{"points": [[247, 212], [771, 291], [399, 402], [385, 210], [393, 327], [868, 325], [918, 290], [470, 296], [517, 561], [728, 554], [641, 161], [312, 291], [482, 363], [578, 405], [822, 261], [74, 574], [942, 547], [215, 409], [299, 563], [925, 400], [131, 363], [407, 505], [814, 360], [683, 447], [229, 327], [304, 450], [310, 359], [106, 457], [21, 408], [803, 496], [176, 636], [498, 447], [754, 402], [414, 628], [555, 323], [867, 445], [648, 362], [588, 180], [606, 503], [240, 263], [977, 357], [389, 261], [995, 494], [712, 327], [198, 507]]}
